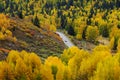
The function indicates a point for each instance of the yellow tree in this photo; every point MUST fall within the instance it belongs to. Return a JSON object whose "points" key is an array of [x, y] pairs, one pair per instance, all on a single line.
{"points": [[5, 33], [4, 24], [26, 65], [67, 73], [109, 68], [92, 33], [4, 21], [69, 53], [6, 72], [21, 70], [46, 73], [75, 63], [34, 64], [114, 37], [79, 26], [111, 45], [12, 58], [56, 66], [88, 66]]}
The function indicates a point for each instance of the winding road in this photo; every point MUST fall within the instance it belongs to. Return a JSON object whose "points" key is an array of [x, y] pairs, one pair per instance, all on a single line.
{"points": [[65, 39]]}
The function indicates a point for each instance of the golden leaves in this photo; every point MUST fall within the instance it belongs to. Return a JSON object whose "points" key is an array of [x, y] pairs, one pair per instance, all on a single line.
{"points": [[5, 33], [92, 33], [74, 64]]}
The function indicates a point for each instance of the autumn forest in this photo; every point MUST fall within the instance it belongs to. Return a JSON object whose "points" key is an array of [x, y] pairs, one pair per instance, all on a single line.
{"points": [[59, 39]]}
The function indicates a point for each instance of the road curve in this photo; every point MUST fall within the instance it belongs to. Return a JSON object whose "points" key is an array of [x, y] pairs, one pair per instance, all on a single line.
{"points": [[65, 39]]}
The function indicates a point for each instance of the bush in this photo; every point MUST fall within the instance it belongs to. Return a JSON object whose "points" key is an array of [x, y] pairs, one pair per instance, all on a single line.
{"points": [[92, 33]]}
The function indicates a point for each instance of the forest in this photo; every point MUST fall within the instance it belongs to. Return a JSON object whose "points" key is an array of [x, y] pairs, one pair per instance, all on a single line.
{"points": [[30, 48]]}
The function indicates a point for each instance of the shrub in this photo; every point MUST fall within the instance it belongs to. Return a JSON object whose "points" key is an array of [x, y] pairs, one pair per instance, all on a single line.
{"points": [[92, 33]]}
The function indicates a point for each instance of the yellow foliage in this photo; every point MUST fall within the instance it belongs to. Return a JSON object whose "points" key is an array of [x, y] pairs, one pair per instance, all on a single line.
{"points": [[48, 22], [4, 22], [118, 47], [69, 53], [20, 70], [26, 65], [2, 37], [75, 63], [6, 72], [57, 67], [101, 48], [5, 33], [92, 33], [8, 33], [109, 68], [46, 73], [111, 45], [79, 26], [88, 66], [67, 73], [52, 28], [13, 56], [79, 36], [115, 32]]}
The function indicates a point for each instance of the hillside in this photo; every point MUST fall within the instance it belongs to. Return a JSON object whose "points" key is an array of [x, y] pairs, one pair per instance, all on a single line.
{"points": [[32, 39], [59, 39]]}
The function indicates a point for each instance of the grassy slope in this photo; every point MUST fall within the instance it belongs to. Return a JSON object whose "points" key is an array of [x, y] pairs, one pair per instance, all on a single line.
{"points": [[32, 39]]}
